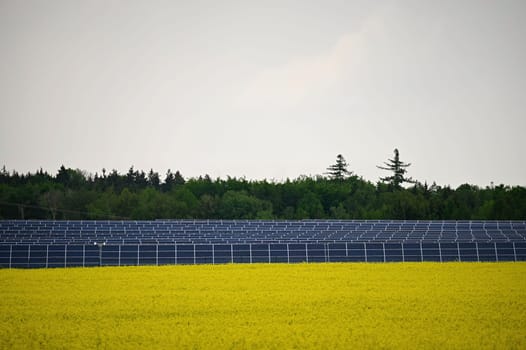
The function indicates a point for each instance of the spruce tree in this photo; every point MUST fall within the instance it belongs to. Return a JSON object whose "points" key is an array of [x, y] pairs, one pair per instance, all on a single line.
{"points": [[399, 169], [169, 181], [339, 170]]}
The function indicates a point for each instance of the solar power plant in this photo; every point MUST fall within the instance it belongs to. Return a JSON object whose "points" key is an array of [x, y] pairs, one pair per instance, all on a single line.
{"points": [[37, 244]]}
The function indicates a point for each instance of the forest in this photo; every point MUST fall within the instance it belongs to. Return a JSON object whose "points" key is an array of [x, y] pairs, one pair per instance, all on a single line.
{"points": [[73, 194]]}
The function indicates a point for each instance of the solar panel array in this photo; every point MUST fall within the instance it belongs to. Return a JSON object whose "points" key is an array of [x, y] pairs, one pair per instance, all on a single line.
{"points": [[120, 243]]}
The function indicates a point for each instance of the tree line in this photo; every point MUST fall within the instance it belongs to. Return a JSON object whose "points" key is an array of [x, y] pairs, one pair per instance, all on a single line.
{"points": [[73, 194]]}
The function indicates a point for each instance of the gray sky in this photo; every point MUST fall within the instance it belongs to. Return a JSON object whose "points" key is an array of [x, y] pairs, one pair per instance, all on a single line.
{"points": [[268, 89]]}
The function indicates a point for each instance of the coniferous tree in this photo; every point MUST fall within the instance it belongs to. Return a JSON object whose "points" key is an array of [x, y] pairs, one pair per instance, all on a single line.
{"points": [[153, 179], [339, 170], [399, 169], [178, 178], [63, 175], [130, 177], [169, 181]]}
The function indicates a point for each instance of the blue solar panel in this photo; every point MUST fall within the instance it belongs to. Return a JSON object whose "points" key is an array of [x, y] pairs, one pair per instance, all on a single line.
{"points": [[147, 254], [185, 254], [222, 253], [166, 254], [393, 252], [449, 252], [5, 256], [337, 252], [520, 251], [487, 251], [129, 255], [75, 256], [91, 255], [505, 252], [38, 256], [375, 252], [431, 252], [260, 253], [110, 255], [297, 253], [204, 254], [56, 256], [241, 253], [279, 253], [20, 256], [60, 243], [468, 251], [356, 252], [316, 253], [412, 252]]}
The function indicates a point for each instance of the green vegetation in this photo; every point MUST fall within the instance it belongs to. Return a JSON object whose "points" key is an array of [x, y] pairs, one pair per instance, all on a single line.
{"points": [[74, 194], [399, 169], [339, 170]]}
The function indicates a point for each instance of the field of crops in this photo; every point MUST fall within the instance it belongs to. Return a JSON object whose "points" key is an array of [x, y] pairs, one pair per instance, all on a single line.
{"points": [[272, 306]]}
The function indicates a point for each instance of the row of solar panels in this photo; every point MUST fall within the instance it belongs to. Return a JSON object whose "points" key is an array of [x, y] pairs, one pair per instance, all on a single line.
{"points": [[159, 233], [315, 224], [200, 230], [20, 229], [253, 240], [194, 237], [26, 256]]}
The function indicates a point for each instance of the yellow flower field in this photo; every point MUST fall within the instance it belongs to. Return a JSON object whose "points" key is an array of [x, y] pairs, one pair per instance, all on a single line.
{"points": [[272, 306]]}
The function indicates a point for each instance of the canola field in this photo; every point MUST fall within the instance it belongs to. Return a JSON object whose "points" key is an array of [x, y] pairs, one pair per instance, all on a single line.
{"points": [[266, 306]]}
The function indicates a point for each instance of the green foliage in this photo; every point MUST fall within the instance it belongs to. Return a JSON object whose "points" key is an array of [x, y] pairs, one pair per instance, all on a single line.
{"points": [[240, 205], [74, 195], [338, 171], [398, 168]]}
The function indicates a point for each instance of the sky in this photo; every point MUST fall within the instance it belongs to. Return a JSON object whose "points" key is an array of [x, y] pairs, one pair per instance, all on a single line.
{"points": [[267, 89]]}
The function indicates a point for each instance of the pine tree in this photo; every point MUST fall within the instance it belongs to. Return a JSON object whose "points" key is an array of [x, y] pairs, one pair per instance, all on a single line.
{"points": [[169, 181], [399, 169], [339, 170], [178, 178], [153, 179]]}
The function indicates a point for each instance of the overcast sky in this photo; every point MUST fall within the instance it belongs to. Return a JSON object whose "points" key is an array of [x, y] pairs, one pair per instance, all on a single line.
{"points": [[267, 89]]}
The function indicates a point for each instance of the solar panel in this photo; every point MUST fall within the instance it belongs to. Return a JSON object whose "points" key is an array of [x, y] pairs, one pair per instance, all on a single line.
{"points": [[129, 255], [520, 251], [316, 253], [487, 251], [222, 253], [185, 254], [5, 256], [411, 252], [35, 243], [468, 252], [449, 252], [279, 253], [38, 256], [337, 252], [56, 256], [374, 252], [110, 255], [505, 252], [165, 254], [297, 253], [91, 255], [241, 253], [356, 252], [431, 252], [393, 252], [260, 253], [204, 254]]}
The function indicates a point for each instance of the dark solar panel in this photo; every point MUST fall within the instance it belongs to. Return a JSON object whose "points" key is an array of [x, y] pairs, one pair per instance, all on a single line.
{"points": [[297, 253], [393, 252], [33, 243]]}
